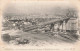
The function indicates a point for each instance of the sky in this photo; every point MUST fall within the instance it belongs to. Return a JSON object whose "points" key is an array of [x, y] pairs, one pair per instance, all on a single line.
{"points": [[35, 8]]}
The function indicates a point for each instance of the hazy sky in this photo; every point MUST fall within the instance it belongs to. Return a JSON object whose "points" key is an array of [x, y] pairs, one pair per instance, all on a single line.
{"points": [[35, 8]]}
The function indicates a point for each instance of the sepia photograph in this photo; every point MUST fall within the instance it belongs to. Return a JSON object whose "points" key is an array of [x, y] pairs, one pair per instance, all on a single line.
{"points": [[40, 25]]}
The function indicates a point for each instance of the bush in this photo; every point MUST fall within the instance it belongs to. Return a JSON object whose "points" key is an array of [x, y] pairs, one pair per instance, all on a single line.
{"points": [[6, 37]]}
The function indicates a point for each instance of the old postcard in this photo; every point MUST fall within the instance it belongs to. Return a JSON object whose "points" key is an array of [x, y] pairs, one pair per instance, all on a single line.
{"points": [[39, 25]]}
